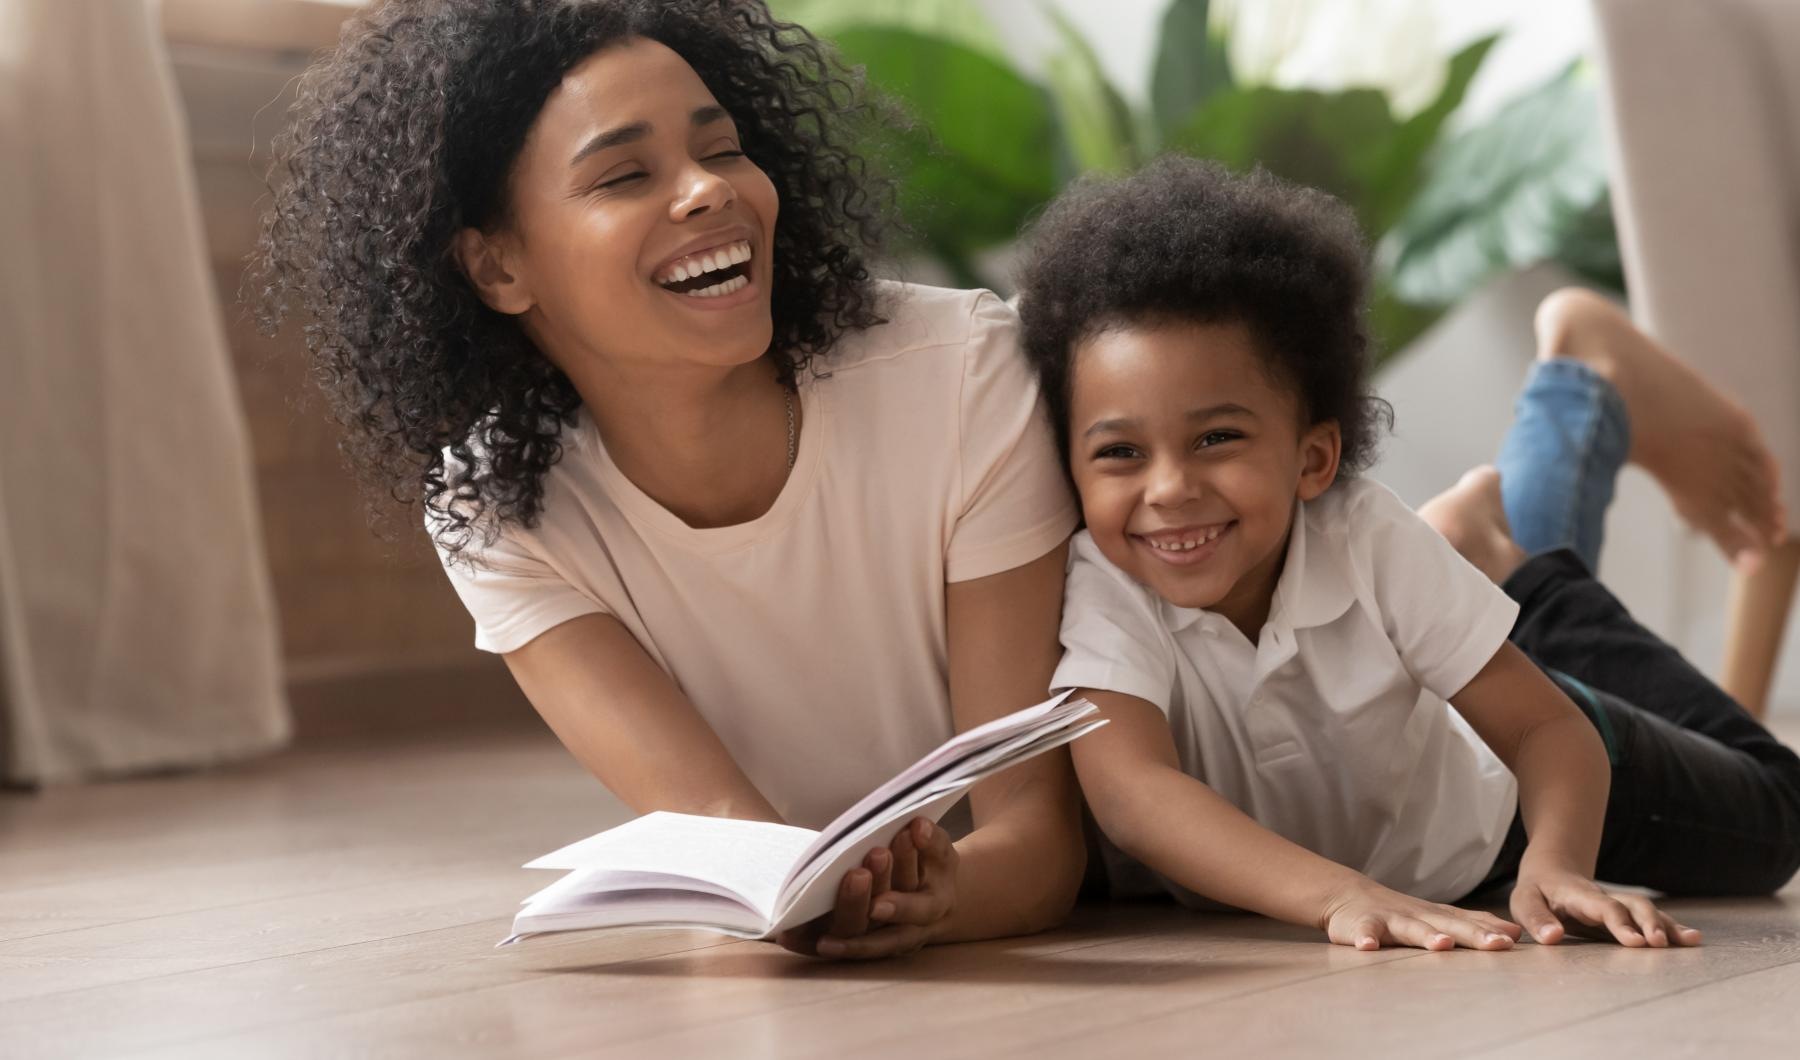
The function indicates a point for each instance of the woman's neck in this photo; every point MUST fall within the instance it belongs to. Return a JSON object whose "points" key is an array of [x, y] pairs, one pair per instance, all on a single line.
{"points": [[710, 445]]}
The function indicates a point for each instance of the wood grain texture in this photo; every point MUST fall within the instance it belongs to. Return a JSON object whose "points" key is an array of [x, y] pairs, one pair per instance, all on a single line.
{"points": [[343, 900]]}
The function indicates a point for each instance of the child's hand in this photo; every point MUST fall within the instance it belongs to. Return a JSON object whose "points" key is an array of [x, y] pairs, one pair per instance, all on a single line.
{"points": [[1370, 916], [890, 906], [1544, 898]]}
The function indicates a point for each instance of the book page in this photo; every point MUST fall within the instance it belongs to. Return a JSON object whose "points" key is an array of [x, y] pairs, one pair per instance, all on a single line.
{"points": [[939, 762], [814, 891], [745, 859]]}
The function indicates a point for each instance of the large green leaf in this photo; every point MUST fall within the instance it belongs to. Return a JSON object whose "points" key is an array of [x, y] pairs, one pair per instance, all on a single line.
{"points": [[1098, 129], [1191, 65], [1335, 141], [1517, 190], [983, 153]]}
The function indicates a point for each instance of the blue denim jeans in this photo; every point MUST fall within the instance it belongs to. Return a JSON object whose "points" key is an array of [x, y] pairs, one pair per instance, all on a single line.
{"points": [[1703, 800], [1570, 436]]}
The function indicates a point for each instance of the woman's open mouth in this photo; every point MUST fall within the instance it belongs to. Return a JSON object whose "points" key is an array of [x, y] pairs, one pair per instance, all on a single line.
{"points": [[711, 273]]}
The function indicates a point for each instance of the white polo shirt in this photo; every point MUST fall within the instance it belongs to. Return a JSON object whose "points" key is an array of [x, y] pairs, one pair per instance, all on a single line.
{"points": [[1334, 729]]}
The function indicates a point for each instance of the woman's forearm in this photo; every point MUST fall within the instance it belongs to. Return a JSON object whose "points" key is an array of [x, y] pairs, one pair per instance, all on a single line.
{"points": [[1019, 873]]}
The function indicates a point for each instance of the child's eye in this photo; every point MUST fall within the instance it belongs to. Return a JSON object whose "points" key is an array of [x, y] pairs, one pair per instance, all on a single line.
{"points": [[733, 153], [1116, 452], [1212, 438]]}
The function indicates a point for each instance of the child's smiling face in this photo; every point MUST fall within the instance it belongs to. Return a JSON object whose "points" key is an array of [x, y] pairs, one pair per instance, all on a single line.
{"points": [[1189, 458]]}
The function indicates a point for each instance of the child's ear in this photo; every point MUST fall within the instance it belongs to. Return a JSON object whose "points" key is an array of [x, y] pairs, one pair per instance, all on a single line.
{"points": [[1320, 448], [487, 260]]}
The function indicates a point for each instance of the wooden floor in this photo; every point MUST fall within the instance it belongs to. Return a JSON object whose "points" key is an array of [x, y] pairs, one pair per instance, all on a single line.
{"points": [[344, 899]]}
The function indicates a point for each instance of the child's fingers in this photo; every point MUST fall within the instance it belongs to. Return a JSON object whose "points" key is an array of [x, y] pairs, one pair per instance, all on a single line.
{"points": [[1499, 925], [1603, 910], [906, 861], [1646, 918], [1468, 932], [1531, 910], [1679, 934], [851, 914], [1366, 934], [1411, 931]]}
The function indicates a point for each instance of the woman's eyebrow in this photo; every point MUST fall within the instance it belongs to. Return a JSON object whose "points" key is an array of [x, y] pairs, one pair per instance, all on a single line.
{"points": [[637, 130]]}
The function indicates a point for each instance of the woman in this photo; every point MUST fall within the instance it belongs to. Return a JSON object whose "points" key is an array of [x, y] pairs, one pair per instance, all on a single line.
{"points": [[751, 530]]}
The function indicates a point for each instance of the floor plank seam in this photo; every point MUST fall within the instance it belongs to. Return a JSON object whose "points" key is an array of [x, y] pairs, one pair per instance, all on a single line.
{"points": [[254, 960], [1627, 1007]]}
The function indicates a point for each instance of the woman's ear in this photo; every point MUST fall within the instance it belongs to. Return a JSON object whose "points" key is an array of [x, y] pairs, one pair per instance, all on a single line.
{"points": [[486, 261], [1320, 448]]}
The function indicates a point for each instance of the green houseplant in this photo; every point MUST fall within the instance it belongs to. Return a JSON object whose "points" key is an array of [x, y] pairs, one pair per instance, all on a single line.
{"points": [[990, 144]]}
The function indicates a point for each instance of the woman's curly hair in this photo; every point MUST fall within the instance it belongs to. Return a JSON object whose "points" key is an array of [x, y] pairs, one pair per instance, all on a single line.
{"points": [[408, 133], [1186, 240]]}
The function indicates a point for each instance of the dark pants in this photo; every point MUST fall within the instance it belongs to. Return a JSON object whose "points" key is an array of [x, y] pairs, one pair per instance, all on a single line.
{"points": [[1704, 800]]}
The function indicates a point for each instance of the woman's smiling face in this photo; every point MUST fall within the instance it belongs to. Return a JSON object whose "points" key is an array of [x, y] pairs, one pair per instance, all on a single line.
{"points": [[1189, 458], [637, 228]]}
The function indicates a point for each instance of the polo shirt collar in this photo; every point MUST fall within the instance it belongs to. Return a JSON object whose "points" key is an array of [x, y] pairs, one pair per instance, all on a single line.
{"points": [[1313, 589]]}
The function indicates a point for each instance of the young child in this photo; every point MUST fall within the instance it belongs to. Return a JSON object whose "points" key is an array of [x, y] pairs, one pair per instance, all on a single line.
{"points": [[1327, 708]]}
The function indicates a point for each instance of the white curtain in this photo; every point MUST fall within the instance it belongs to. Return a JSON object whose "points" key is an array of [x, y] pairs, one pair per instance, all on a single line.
{"points": [[137, 626]]}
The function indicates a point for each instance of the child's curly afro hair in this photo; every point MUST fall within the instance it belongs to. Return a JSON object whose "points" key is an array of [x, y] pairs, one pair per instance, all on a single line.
{"points": [[1184, 240]]}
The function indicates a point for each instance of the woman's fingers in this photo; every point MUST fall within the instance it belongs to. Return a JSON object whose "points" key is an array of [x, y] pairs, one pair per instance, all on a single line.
{"points": [[911, 907], [851, 915], [880, 864], [883, 942], [936, 853], [906, 861]]}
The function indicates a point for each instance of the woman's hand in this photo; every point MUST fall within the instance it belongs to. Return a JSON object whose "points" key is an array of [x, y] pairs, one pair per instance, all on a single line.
{"points": [[1369, 916], [1550, 901], [890, 906]]}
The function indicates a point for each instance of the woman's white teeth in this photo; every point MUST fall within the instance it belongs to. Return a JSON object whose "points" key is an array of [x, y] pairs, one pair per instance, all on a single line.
{"points": [[708, 261], [736, 283]]}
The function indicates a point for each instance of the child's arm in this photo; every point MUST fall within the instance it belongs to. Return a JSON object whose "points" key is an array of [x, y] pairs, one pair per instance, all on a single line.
{"points": [[1563, 782], [1183, 829]]}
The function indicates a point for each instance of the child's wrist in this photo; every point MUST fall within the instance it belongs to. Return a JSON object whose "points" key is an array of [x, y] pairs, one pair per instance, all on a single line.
{"points": [[1344, 889], [1547, 857]]}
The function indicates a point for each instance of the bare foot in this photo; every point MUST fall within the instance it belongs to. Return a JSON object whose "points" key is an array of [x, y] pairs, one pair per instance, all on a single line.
{"points": [[1472, 518], [1698, 443]]}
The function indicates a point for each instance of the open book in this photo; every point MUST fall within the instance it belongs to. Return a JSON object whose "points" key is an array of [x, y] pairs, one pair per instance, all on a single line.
{"points": [[753, 879]]}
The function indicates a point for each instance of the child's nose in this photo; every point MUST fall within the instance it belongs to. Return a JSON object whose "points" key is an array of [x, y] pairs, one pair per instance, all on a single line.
{"points": [[1170, 485]]}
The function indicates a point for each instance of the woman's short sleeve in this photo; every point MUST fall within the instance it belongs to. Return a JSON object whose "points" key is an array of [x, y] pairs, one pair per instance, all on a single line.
{"points": [[513, 595], [1014, 504]]}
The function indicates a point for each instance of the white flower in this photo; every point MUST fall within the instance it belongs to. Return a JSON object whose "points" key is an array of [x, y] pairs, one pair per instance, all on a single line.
{"points": [[1329, 45]]}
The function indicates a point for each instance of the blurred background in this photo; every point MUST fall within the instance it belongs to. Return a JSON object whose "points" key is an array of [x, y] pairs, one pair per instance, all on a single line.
{"points": [[1476, 139]]}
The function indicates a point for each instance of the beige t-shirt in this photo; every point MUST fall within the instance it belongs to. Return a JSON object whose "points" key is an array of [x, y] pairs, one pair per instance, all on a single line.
{"points": [[812, 639]]}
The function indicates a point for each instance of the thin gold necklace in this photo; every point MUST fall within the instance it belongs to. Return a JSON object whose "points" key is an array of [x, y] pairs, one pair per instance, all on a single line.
{"points": [[787, 396]]}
